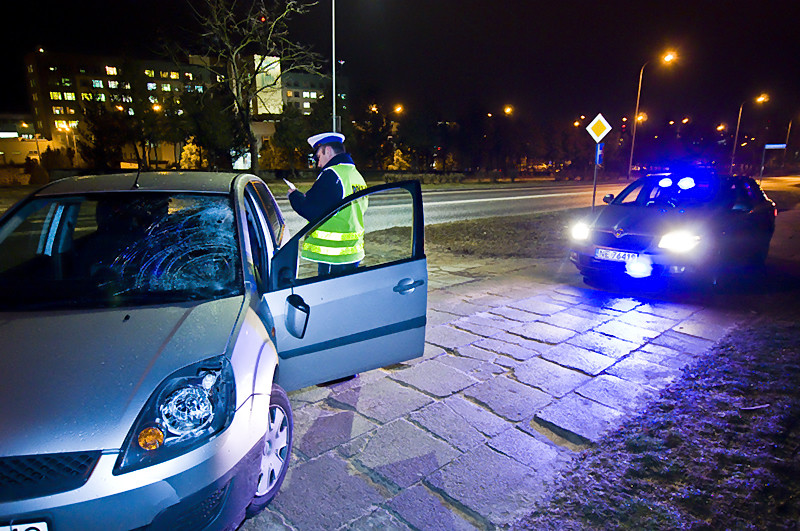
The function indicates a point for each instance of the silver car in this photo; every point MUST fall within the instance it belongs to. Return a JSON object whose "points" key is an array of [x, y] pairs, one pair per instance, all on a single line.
{"points": [[151, 326]]}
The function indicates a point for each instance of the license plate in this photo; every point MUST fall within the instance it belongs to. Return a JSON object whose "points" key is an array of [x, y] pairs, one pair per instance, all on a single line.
{"points": [[30, 526], [615, 256]]}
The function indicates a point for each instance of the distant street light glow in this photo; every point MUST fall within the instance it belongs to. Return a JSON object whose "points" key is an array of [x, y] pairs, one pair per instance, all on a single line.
{"points": [[508, 109]]}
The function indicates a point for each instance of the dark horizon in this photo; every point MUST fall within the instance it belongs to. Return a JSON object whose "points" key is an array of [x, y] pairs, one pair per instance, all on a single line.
{"points": [[450, 58]]}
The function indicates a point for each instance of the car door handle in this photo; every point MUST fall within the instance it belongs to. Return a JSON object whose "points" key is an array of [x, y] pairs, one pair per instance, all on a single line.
{"points": [[407, 285]]}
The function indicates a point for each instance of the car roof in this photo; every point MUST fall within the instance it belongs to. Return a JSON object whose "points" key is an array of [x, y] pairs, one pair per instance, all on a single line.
{"points": [[190, 181]]}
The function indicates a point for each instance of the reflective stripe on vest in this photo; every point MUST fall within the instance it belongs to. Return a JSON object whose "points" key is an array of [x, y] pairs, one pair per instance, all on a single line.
{"points": [[340, 240]]}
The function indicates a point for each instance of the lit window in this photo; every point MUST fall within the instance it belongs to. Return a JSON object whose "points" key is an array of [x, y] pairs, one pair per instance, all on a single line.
{"points": [[153, 99], [189, 76], [86, 96], [33, 82], [72, 124], [166, 87], [126, 85], [55, 96], [199, 88], [97, 83], [70, 110], [113, 84], [69, 96], [289, 94], [306, 105], [189, 88], [220, 78], [53, 68], [30, 69], [66, 82], [312, 95], [61, 124], [305, 94], [164, 75], [174, 75], [130, 111], [127, 98], [100, 97], [35, 97], [149, 73], [111, 70], [58, 110], [152, 86]]}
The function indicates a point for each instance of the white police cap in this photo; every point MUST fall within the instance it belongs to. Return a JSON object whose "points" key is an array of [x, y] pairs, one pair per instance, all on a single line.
{"points": [[325, 138]]}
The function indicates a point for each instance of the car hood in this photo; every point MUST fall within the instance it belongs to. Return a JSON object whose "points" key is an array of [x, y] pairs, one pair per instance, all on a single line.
{"points": [[649, 220], [76, 381]]}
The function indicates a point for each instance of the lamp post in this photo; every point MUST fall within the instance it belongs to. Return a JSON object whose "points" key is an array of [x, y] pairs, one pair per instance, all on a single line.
{"points": [[333, 61], [667, 58], [761, 99]]}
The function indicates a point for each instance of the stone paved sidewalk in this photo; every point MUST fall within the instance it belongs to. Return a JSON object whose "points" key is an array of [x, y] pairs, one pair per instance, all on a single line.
{"points": [[519, 372]]}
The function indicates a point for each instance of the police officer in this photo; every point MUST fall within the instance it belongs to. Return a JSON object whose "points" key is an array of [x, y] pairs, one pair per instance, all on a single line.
{"points": [[338, 244]]}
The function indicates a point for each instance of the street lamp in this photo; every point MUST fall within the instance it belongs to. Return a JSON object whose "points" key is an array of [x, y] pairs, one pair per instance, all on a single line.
{"points": [[761, 99], [667, 58], [333, 61]]}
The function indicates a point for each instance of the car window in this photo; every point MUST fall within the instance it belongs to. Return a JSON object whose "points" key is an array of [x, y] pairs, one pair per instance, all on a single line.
{"points": [[671, 191], [387, 234], [132, 248], [266, 201], [259, 249]]}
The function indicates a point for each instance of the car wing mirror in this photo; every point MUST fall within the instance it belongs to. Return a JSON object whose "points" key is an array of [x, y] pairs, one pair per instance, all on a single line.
{"points": [[608, 198], [297, 314]]}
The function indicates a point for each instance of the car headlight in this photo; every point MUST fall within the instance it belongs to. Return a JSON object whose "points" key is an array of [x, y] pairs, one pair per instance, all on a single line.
{"points": [[189, 408], [679, 241], [580, 231]]}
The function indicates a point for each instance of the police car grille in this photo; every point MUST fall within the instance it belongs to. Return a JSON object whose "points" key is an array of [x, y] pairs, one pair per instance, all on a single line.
{"points": [[627, 242], [31, 476]]}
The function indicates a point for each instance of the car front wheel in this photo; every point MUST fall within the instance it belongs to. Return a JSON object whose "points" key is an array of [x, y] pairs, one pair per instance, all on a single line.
{"points": [[277, 449]]}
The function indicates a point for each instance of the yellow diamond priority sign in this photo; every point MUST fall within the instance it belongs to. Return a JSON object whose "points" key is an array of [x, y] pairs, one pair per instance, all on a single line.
{"points": [[598, 128]]}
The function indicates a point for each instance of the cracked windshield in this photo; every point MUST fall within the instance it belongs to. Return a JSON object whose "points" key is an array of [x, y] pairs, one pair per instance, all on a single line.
{"points": [[119, 250]]}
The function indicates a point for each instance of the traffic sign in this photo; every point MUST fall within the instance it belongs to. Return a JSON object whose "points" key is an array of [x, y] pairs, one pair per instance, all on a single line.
{"points": [[598, 128]]}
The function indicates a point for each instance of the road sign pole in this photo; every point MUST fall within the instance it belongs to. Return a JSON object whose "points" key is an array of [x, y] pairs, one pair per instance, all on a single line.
{"points": [[598, 128]]}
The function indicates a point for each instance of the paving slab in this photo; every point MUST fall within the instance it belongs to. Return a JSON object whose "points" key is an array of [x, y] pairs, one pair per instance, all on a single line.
{"points": [[325, 493], [577, 320], [683, 342], [664, 356], [539, 304], [628, 332], [317, 429], [669, 310], [545, 459], [647, 320], [606, 345], [574, 357], [543, 332], [704, 329], [643, 372], [440, 419], [448, 337], [378, 520], [477, 416], [480, 370], [373, 401], [617, 393], [550, 377], [509, 399], [404, 453], [514, 314], [511, 345], [489, 484], [434, 378], [579, 419], [425, 510], [472, 351]]}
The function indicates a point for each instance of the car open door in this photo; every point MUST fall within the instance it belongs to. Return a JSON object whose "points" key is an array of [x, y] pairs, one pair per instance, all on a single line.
{"points": [[329, 327]]}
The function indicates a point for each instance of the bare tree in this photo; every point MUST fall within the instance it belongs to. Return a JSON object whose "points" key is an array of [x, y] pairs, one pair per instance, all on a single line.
{"points": [[248, 39]]}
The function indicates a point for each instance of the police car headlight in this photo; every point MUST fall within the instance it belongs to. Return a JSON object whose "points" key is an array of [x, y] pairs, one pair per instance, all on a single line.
{"points": [[580, 231], [679, 241]]}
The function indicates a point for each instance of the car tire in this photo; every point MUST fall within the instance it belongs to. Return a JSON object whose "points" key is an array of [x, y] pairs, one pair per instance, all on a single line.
{"points": [[277, 450]]}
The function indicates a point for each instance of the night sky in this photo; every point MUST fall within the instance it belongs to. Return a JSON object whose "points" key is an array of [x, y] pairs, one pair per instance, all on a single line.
{"points": [[551, 60]]}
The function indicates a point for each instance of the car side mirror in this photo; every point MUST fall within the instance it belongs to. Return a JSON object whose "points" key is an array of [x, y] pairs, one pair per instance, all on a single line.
{"points": [[608, 198], [297, 314]]}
